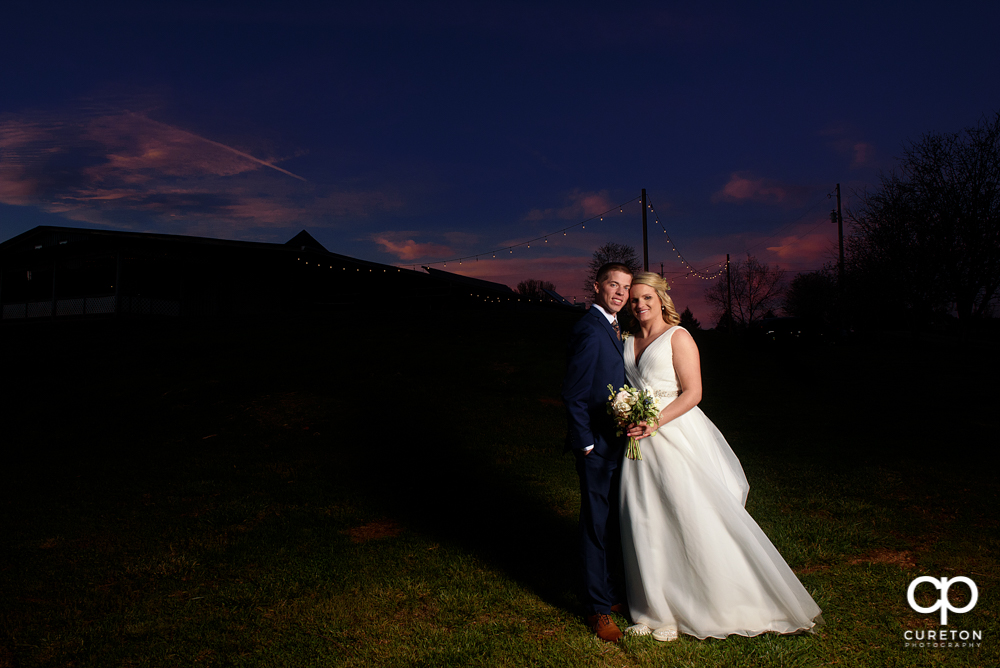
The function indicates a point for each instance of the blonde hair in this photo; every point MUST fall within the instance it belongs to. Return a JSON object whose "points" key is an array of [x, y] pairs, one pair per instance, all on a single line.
{"points": [[658, 284]]}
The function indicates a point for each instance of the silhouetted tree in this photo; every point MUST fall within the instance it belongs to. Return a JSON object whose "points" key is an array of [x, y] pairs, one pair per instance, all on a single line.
{"points": [[688, 321], [757, 288], [533, 288], [725, 323], [927, 239], [610, 252], [812, 296]]}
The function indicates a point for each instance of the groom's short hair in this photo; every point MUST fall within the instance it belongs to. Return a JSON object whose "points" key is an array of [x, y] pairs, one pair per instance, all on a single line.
{"points": [[609, 267]]}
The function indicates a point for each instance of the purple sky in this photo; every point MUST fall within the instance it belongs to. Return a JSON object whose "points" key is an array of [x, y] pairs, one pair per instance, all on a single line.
{"points": [[416, 132]]}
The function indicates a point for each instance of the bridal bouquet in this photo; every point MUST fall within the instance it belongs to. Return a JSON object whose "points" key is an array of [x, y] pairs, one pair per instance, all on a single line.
{"points": [[632, 406]]}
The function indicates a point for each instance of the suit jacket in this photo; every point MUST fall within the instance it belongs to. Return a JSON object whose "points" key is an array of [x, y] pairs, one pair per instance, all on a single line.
{"points": [[595, 361]]}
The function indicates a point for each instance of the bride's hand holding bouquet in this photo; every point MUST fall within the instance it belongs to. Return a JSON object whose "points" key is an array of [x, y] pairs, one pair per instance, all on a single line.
{"points": [[631, 407]]}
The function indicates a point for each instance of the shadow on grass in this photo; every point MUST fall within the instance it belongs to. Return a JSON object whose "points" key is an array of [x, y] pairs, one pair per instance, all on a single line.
{"points": [[434, 483], [112, 411]]}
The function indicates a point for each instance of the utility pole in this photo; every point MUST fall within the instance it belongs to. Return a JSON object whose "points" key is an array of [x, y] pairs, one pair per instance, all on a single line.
{"points": [[729, 295], [840, 264], [836, 217], [645, 240]]}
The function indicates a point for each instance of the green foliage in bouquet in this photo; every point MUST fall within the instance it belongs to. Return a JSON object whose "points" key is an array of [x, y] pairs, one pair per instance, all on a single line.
{"points": [[631, 406]]}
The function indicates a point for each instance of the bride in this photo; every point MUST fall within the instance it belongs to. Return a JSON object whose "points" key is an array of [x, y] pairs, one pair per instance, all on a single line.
{"points": [[695, 561]]}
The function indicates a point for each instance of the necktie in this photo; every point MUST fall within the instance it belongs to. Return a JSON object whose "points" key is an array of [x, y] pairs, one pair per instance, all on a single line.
{"points": [[618, 331]]}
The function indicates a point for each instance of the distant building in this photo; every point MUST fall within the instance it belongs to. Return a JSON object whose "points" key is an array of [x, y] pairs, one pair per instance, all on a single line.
{"points": [[64, 272]]}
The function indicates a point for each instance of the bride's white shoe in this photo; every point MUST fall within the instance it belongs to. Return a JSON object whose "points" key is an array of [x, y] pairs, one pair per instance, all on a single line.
{"points": [[638, 630], [666, 634]]}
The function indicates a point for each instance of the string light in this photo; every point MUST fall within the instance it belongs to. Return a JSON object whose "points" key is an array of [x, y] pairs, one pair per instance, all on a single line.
{"points": [[705, 276], [544, 238]]}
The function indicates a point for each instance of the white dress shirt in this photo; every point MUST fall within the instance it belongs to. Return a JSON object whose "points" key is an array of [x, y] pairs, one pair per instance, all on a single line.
{"points": [[612, 318]]}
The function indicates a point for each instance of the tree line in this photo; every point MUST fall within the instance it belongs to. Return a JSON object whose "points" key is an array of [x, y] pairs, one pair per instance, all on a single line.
{"points": [[923, 246]]}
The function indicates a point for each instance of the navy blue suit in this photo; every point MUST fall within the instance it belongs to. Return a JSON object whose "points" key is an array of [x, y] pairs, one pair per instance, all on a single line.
{"points": [[595, 361]]}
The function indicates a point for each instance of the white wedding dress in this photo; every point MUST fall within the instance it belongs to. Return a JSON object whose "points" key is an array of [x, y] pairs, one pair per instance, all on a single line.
{"points": [[694, 558]]}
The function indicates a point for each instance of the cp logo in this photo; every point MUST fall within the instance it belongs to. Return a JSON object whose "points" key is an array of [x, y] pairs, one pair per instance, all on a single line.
{"points": [[944, 604]]}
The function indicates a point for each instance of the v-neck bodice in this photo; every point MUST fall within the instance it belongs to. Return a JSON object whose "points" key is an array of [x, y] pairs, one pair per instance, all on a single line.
{"points": [[655, 369]]}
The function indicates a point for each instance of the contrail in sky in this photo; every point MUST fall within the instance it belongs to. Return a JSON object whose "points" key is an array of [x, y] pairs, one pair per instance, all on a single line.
{"points": [[223, 146]]}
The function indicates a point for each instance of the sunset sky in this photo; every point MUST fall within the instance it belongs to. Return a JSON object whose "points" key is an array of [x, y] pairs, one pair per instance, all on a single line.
{"points": [[413, 133]]}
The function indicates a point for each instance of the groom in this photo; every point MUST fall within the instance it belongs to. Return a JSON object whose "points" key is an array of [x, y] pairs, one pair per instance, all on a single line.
{"points": [[596, 361]]}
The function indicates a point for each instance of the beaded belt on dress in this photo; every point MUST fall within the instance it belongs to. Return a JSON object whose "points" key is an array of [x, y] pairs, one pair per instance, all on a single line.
{"points": [[666, 393]]}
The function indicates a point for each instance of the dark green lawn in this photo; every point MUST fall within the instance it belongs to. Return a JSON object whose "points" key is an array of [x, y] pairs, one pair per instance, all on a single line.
{"points": [[316, 492]]}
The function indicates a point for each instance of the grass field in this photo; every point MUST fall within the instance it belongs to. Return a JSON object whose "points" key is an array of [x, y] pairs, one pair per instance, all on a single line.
{"points": [[315, 493]]}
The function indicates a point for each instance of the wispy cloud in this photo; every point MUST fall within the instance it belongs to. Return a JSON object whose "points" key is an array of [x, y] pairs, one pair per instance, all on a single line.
{"points": [[579, 205], [409, 250], [121, 168], [807, 245], [745, 187], [864, 155], [566, 272], [843, 139]]}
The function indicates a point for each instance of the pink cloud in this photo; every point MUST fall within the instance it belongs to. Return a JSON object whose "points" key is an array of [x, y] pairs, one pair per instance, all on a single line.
{"points": [[805, 246], [409, 249], [566, 272], [864, 154], [139, 146], [743, 187], [809, 248], [16, 187], [106, 167], [579, 205], [844, 141]]}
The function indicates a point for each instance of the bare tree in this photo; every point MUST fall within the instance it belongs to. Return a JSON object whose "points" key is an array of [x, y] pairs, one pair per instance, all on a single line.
{"points": [[927, 239], [533, 288], [756, 289], [610, 252]]}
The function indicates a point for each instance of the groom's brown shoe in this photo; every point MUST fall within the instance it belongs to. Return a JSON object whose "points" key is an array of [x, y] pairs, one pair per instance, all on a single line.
{"points": [[619, 609], [604, 628]]}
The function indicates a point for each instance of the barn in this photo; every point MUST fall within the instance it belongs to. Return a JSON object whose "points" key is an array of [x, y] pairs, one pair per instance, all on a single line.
{"points": [[61, 273]]}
